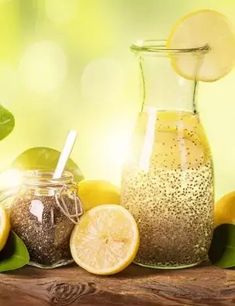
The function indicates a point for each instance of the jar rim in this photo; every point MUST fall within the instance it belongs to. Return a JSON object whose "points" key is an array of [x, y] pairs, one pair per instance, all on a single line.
{"points": [[159, 48], [44, 178]]}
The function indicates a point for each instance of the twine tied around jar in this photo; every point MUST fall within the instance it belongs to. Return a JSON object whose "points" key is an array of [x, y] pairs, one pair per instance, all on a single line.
{"points": [[61, 203]]}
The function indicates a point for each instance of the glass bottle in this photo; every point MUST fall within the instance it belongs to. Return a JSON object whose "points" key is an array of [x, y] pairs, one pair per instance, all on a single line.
{"points": [[43, 214], [167, 180]]}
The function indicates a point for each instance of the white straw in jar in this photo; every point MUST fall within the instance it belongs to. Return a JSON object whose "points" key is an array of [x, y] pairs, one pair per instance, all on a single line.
{"points": [[64, 156]]}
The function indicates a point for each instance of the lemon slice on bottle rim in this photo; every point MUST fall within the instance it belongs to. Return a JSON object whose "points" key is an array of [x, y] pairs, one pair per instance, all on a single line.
{"points": [[206, 30], [106, 240]]}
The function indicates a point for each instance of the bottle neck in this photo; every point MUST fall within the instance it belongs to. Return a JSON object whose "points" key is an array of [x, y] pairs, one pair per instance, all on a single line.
{"points": [[163, 88]]}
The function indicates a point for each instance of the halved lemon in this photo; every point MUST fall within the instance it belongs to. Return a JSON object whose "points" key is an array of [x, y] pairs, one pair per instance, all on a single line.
{"points": [[106, 240], [203, 29], [225, 209], [4, 227]]}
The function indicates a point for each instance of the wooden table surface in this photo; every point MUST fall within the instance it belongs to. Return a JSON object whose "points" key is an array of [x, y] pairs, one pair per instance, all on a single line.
{"points": [[206, 285]]}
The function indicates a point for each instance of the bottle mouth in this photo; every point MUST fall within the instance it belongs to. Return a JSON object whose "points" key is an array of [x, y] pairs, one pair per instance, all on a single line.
{"points": [[42, 178], [159, 48]]}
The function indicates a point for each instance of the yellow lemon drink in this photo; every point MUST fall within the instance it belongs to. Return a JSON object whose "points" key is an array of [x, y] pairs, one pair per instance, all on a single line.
{"points": [[169, 190]]}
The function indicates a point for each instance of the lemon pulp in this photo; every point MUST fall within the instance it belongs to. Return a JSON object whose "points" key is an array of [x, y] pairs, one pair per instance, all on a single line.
{"points": [[106, 240]]}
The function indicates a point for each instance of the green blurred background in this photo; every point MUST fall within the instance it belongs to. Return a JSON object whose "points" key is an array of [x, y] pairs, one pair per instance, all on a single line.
{"points": [[66, 64]]}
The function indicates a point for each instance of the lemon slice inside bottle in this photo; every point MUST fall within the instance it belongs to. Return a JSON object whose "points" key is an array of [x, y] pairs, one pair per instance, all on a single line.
{"points": [[4, 227], [106, 240], [205, 29]]}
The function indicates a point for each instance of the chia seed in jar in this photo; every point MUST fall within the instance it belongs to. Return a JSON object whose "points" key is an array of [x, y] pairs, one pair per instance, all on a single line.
{"points": [[43, 215]]}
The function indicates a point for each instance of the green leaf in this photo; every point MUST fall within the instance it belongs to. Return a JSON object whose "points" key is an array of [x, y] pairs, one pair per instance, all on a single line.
{"points": [[222, 250], [45, 159], [14, 255], [7, 122]]}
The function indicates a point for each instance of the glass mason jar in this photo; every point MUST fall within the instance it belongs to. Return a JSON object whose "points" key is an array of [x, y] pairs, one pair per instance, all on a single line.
{"points": [[43, 214], [167, 180]]}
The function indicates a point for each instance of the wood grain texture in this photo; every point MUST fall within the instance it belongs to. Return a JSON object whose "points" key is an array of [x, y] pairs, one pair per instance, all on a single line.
{"points": [[206, 285]]}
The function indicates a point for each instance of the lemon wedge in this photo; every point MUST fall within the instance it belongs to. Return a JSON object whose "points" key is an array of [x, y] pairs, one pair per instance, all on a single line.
{"points": [[206, 29], [225, 210], [106, 240], [4, 227]]}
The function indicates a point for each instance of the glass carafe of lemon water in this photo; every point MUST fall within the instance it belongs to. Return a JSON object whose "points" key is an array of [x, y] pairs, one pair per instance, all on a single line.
{"points": [[167, 180]]}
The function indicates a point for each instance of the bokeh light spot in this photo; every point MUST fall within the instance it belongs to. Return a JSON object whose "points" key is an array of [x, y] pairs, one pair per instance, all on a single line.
{"points": [[43, 66], [10, 178], [9, 84], [60, 11], [103, 81]]}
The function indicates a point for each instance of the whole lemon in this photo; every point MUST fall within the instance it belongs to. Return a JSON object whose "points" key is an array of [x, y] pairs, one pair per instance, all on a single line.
{"points": [[225, 209], [96, 192], [4, 226]]}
